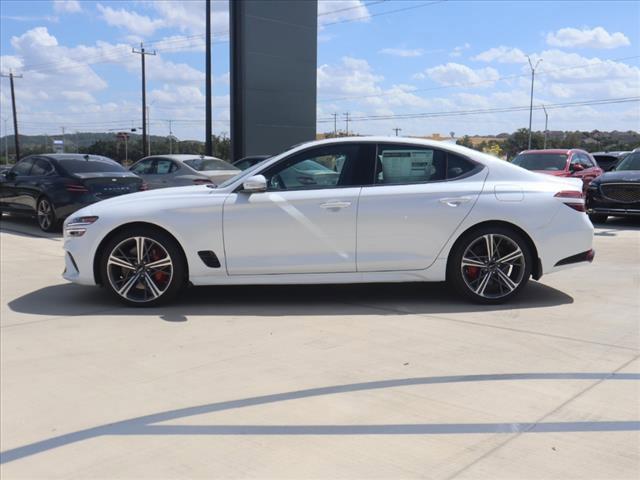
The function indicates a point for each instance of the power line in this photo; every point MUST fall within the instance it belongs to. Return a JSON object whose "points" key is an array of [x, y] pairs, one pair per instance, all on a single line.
{"points": [[550, 106], [388, 12]]}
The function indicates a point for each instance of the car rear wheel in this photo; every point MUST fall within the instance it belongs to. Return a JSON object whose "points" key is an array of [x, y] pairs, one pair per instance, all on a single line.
{"points": [[46, 215], [490, 265], [143, 267], [598, 217]]}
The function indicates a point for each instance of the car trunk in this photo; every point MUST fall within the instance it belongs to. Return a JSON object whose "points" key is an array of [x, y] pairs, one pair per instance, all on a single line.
{"points": [[219, 176], [109, 184]]}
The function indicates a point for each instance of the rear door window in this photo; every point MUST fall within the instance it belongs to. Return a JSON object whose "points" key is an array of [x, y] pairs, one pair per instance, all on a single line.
{"points": [[164, 167], [23, 167], [41, 167]]}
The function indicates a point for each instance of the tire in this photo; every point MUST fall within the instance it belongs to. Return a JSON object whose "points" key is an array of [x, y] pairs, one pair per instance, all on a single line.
{"points": [[148, 279], [46, 215], [486, 280], [598, 217]]}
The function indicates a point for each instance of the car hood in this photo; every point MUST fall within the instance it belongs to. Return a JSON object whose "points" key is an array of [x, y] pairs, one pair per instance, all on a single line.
{"points": [[155, 199], [620, 177]]}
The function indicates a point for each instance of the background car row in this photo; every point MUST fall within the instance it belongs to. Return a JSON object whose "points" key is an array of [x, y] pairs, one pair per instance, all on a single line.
{"points": [[52, 186]]}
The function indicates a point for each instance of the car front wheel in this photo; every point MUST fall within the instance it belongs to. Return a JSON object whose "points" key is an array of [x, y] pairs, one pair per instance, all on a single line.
{"points": [[143, 267], [490, 265]]}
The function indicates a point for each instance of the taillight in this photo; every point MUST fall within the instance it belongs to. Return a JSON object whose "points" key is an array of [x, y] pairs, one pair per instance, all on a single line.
{"points": [[143, 186], [76, 188], [572, 198], [202, 181]]}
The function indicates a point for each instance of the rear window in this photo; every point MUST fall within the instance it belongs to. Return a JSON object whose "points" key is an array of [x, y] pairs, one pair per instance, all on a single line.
{"points": [[205, 164], [78, 165], [541, 161]]}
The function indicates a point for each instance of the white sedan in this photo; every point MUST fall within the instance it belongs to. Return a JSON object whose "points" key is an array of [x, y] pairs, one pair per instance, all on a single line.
{"points": [[383, 210]]}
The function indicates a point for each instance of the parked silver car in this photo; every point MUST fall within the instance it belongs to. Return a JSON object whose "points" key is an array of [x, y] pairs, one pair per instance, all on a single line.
{"points": [[161, 171]]}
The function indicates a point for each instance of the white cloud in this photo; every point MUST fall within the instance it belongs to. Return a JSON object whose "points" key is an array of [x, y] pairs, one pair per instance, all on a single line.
{"points": [[351, 77], [502, 54], [402, 52], [66, 6], [78, 96], [457, 51], [132, 21], [458, 74], [596, 37], [189, 16]]}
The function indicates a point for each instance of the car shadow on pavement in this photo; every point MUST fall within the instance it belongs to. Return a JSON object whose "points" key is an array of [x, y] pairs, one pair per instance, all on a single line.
{"points": [[283, 300], [616, 224], [155, 423]]}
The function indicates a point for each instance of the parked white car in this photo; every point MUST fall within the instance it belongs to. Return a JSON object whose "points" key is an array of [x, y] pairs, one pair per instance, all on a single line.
{"points": [[377, 210], [162, 171]]}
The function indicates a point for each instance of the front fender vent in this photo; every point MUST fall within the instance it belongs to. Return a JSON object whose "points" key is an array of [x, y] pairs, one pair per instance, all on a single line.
{"points": [[209, 258]]}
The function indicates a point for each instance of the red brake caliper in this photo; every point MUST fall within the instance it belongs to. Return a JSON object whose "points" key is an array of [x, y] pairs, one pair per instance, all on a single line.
{"points": [[160, 277], [473, 272]]}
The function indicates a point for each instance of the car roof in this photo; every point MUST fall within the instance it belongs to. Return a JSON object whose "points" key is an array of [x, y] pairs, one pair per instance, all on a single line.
{"points": [[554, 150], [181, 157], [73, 156]]}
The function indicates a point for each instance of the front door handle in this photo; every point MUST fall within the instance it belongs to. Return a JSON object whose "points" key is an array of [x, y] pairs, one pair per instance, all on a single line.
{"points": [[454, 202], [335, 205]]}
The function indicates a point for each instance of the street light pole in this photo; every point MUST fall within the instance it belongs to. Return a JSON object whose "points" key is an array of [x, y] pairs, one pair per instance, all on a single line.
{"points": [[533, 75], [546, 122]]}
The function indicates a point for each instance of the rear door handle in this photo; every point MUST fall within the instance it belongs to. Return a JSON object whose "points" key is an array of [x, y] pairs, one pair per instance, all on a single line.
{"points": [[454, 202], [335, 205]]}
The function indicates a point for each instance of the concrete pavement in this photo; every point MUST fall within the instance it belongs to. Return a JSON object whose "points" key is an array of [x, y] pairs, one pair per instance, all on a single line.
{"points": [[361, 381]]}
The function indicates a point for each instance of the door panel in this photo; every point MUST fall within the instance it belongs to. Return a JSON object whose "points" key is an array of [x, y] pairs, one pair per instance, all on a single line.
{"points": [[404, 226], [304, 231]]}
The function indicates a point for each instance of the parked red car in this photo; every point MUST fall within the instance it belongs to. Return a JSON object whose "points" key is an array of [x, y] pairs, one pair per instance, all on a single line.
{"points": [[561, 163]]}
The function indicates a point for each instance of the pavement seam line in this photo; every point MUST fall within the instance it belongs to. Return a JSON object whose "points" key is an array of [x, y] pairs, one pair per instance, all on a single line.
{"points": [[542, 418], [517, 330]]}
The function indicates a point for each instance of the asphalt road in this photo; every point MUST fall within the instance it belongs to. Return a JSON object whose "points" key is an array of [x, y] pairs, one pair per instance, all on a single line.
{"points": [[357, 381]]}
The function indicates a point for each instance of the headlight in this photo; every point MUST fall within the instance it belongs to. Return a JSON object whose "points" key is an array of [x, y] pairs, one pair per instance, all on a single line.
{"points": [[76, 226]]}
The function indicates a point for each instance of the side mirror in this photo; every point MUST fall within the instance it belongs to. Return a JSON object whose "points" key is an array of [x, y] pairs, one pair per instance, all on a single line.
{"points": [[8, 175], [255, 184], [577, 167]]}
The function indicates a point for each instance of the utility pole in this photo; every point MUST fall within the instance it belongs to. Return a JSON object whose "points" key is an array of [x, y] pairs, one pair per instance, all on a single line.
{"points": [[148, 132], [63, 140], [396, 130], [335, 125], [142, 54], [6, 142], [546, 122], [11, 76], [208, 147], [347, 119], [533, 75], [170, 138]]}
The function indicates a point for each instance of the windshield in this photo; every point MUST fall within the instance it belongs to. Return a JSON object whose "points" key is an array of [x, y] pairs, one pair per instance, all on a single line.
{"points": [[541, 161], [207, 164], [631, 162], [92, 165]]}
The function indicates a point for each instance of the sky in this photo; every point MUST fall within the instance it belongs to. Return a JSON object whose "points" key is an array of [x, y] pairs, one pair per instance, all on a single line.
{"points": [[449, 66]]}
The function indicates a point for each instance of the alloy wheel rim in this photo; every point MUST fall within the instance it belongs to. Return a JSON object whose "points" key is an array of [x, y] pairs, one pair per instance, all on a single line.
{"points": [[493, 266], [44, 214], [139, 269]]}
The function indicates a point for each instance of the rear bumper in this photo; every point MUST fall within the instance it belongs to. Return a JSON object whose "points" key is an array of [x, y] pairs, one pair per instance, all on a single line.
{"points": [[587, 256]]}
